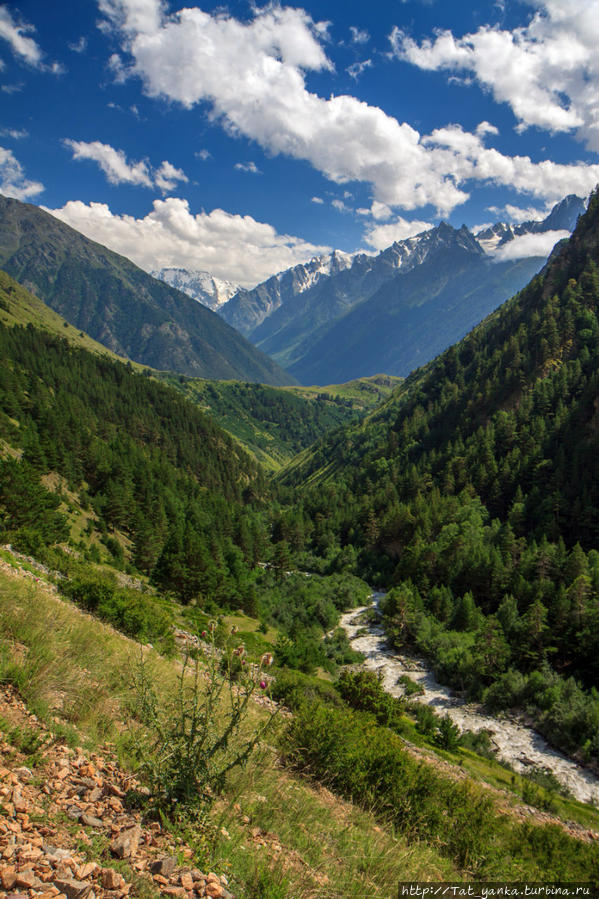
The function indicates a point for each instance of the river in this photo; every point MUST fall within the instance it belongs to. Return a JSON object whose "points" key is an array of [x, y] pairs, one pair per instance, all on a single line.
{"points": [[514, 742]]}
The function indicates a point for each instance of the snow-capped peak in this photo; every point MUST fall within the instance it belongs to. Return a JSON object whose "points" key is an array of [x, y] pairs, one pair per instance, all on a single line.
{"points": [[201, 286]]}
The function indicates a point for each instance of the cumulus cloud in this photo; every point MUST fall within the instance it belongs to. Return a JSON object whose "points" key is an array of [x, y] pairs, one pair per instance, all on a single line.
{"points": [[14, 133], [382, 236], [112, 162], [118, 170], [13, 182], [234, 247], [318, 200], [252, 75], [79, 46], [167, 176], [517, 214], [547, 71], [530, 245]]}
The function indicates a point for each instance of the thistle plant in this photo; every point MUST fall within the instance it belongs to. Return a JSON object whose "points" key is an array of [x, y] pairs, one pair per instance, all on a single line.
{"points": [[195, 737]]}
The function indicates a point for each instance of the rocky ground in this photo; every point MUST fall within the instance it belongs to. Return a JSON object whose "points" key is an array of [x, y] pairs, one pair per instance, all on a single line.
{"points": [[66, 831]]}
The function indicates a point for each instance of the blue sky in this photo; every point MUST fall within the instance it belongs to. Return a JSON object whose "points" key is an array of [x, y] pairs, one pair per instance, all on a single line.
{"points": [[242, 139]]}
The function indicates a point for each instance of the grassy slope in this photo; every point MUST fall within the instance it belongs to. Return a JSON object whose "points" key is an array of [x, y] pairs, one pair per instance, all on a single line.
{"points": [[76, 671]]}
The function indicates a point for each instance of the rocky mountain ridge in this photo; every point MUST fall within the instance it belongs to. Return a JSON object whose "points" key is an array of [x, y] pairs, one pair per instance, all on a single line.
{"points": [[199, 285]]}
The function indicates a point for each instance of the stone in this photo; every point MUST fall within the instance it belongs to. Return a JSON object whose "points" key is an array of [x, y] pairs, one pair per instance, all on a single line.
{"points": [[91, 821], [26, 878], [126, 843], [186, 881], [74, 889], [8, 876], [112, 880], [214, 890], [164, 866], [74, 813], [87, 870]]}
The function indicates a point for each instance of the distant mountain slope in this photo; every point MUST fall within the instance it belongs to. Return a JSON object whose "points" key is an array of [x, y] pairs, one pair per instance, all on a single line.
{"points": [[510, 412], [271, 423], [276, 423], [340, 317], [249, 308], [120, 305], [201, 286], [417, 314]]}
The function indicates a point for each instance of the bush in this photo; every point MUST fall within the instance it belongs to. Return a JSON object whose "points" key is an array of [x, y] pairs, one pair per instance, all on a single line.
{"points": [[195, 737]]}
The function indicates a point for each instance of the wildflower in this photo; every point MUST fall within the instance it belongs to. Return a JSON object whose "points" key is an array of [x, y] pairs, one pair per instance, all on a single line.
{"points": [[212, 626], [234, 629], [267, 660], [263, 684], [204, 634]]}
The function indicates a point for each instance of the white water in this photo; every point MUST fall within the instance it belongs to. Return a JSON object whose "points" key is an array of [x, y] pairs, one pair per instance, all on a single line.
{"points": [[515, 743]]}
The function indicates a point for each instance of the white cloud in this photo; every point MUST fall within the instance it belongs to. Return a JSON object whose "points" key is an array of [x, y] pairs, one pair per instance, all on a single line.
{"points": [[118, 170], [203, 155], [234, 247], [359, 35], [15, 133], [79, 46], [518, 215], [167, 176], [340, 206], [250, 167], [530, 245], [112, 162], [252, 75], [465, 156], [382, 236], [13, 182], [318, 200], [16, 33], [356, 68], [547, 71]]}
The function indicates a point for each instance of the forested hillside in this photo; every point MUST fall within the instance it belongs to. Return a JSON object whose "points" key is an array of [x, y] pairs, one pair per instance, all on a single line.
{"points": [[151, 466], [276, 423], [121, 306], [474, 490]]}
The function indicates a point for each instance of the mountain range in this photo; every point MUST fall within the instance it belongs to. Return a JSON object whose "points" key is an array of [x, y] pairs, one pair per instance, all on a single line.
{"points": [[121, 306], [342, 316]]}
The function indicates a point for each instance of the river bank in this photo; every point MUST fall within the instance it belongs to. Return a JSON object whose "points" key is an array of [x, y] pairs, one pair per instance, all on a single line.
{"points": [[513, 741]]}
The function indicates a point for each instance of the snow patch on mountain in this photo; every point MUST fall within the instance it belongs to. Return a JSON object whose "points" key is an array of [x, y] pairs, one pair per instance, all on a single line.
{"points": [[201, 286]]}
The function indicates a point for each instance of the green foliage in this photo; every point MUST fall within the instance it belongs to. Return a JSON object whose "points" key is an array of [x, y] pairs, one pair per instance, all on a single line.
{"points": [[29, 515], [138, 615], [274, 424], [192, 740], [367, 763], [304, 608]]}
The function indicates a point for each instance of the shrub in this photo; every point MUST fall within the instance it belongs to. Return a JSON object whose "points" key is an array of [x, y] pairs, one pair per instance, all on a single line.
{"points": [[195, 737]]}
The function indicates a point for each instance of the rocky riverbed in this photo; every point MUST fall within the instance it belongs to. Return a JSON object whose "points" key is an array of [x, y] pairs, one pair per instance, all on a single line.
{"points": [[514, 742]]}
